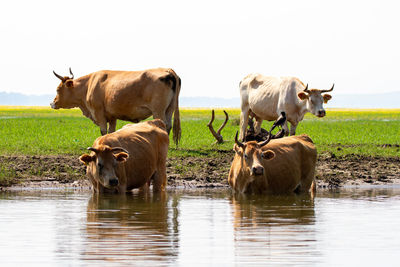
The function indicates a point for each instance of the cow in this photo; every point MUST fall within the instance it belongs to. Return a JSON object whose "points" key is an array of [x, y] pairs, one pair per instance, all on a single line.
{"points": [[267, 97], [105, 96], [285, 165], [129, 158]]}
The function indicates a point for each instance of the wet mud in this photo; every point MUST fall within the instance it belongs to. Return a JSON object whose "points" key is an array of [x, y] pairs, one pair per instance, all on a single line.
{"points": [[195, 172]]}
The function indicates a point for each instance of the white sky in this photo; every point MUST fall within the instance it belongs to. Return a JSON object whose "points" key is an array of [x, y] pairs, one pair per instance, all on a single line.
{"points": [[212, 45]]}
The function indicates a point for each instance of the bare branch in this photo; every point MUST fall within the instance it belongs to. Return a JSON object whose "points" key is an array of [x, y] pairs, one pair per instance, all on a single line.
{"points": [[217, 134], [223, 125]]}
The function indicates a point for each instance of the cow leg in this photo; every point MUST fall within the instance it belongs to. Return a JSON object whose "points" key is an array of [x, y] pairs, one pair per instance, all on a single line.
{"points": [[257, 125], [285, 127], [293, 129], [160, 176], [168, 122], [145, 188], [112, 125], [122, 189], [100, 120], [158, 184], [161, 116], [103, 127], [244, 120], [168, 117], [307, 186]]}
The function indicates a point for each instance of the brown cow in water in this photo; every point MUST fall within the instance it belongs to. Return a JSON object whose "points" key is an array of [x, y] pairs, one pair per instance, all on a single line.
{"points": [[105, 96], [285, 165], [129, 158]]}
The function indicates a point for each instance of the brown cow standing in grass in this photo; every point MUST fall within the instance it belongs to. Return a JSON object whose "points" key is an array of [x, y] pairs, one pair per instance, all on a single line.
{"points": [[105, 96], [129, 158], [285, 165]]}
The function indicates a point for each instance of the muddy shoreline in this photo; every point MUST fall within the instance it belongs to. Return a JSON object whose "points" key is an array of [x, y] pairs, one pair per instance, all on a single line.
{"points": [[195, 172]]}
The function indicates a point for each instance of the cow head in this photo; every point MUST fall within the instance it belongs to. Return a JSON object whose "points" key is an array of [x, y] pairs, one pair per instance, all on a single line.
{"points": [[315, 100], [64, 92], [102, 163], [252, 157]]}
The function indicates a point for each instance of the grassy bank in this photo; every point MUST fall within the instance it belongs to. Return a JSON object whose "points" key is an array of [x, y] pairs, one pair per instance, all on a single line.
{"points": [[42, 131]]}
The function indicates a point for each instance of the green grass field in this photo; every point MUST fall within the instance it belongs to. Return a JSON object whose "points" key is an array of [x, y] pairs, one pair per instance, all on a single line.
{"points": [[40, 131]]}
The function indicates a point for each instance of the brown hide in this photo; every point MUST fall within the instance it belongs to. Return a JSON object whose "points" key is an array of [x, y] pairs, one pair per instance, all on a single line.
{"points": [[105, 96], [290, 170], [147, 146]]}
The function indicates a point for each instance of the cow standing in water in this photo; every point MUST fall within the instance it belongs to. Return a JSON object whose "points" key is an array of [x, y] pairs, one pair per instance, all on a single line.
{"points": [[284, 165], [266, 97], [129, 158], [105, 96]]}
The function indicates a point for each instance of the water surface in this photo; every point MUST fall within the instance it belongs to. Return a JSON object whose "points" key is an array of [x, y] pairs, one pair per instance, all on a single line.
{"points": [[350, 227]]}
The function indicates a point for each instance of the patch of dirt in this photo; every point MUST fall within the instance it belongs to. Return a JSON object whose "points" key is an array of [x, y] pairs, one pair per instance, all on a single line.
{"points": [[333, 171], [197, 172]]}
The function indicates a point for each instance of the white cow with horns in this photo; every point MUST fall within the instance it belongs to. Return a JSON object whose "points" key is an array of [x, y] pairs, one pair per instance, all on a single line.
{"points": [[266, 97]]}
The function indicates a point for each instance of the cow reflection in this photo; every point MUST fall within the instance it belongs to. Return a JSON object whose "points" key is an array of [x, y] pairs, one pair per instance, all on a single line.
{"points": [[272, 210], [130, 227], [278, 224]]}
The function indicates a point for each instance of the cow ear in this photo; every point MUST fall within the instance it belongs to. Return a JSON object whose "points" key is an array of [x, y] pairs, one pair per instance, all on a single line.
{"points": [[122, 156], [326, 97], [69, 83], [269, 154], [85, 158], [238, 150], [302, 95]]}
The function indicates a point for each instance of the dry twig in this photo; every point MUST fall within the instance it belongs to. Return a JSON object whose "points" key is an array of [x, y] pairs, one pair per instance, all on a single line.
{"points": [[217, 134]]}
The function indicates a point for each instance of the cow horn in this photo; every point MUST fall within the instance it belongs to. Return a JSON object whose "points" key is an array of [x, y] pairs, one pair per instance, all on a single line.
{"points": [[240, 144], [93, 149], [58, 76], [324, 91], [263, 143], [70, 71], [306, 89], [118, 149]]}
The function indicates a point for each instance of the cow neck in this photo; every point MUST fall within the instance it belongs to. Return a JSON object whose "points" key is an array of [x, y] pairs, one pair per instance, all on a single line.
{"points": [[302, 108], [80, 87]]}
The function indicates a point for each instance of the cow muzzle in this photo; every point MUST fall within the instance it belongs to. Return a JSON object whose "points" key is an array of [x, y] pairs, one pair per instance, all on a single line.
{"points": [[113, 182], [257, 170], [53, 105], [321, 113]]}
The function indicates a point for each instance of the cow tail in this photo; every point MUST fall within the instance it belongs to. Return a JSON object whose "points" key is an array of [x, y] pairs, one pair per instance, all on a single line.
{"points": [[177, 121]]}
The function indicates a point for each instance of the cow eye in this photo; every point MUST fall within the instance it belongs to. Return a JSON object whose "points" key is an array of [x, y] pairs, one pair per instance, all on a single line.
{"points": [[246, 156]]}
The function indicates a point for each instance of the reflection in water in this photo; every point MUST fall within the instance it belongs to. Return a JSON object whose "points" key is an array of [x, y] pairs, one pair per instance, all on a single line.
{"points": [[131, 228], [269, 210], [352, 227], [268, 227], [368, 193]]}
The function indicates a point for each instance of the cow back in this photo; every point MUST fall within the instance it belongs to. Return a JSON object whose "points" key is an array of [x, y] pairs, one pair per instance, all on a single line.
{"points": [[144, 142], [295, 158]]}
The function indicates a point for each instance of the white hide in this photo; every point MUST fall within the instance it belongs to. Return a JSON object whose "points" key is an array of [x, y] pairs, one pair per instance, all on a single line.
{"points": [[267, 97]]}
